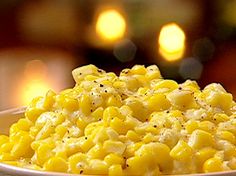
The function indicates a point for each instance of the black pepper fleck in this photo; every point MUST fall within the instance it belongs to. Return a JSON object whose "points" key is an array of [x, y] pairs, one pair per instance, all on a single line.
{"points": [[154, 126], [81, 171], [101, 85]]}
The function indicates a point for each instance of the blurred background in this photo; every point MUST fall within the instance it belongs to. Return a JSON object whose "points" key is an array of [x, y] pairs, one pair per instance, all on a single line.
{"points": [[42, 41]]}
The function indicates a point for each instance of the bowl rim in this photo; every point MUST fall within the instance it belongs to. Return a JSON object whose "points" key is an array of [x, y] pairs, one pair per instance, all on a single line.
{"points": [[18, 171]]}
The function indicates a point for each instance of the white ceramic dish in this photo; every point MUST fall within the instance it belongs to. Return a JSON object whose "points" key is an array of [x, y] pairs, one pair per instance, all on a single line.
{"points": [[8, 117]]}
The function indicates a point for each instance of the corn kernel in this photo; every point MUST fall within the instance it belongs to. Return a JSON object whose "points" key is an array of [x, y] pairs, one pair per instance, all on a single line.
{"points": [[213, 165], [85, 104], [204, 154], [226, 135], [158, 102], [114, 147], [200, 139], [49, 99], [112, 158], [182, 151], [56, 164], [24, 124], [98, 167], [97, 152], [3, 139], [77, 163], [115, 170]]}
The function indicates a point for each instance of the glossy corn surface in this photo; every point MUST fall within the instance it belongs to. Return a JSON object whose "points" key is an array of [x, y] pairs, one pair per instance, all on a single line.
{"points": [[135, 123]]}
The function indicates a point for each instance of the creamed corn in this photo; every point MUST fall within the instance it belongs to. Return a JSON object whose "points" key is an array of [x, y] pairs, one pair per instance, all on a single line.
{"points": [[136, 123]]}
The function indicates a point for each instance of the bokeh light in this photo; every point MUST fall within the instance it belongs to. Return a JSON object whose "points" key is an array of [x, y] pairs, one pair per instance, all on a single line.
{"points": [[35, 82], [110, 25], [190, 68], [171, 42], [34, 88], [125, 50]]}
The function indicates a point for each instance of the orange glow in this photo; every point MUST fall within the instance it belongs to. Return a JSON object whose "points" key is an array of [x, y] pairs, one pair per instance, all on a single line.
{"points": [[32, 89], [171, 42], [35, 82], [110, 25]]}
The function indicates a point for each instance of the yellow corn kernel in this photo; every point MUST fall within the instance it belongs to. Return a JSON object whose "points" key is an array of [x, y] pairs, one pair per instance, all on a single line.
{"points": [[219, 99], [46, 131], [22, 147], [86, 144], [126, 110], [132, 148], [98, 114], [3, 139], [13, 163], [200, 139], [61, 130], [49, 99], [217, 118], [143, 90], [43, 153], [116, 147], [153, 72], [149, 137], [191, 125], [79, 73], [232, 163], [141, 79], [138, 70], [158, 102], [115, 170], [112, 158], [137, 107], [6, 147], [110, 113], [98, 167], [158, 153], [70, 104], [133, 136], [207, 126], [182, 99], [226, 135], [190, 85], [100, 135], [97, 152], [14, 129], [24, 124], [114, 100], [204, 154], [182, 151], [56, 164], [119, 85], [213, 165], [90, 78], [77, 163], [166, 84], [118, 125], [134, 164], [34, 109], [90, 128], [6, 157], [85, 104]]}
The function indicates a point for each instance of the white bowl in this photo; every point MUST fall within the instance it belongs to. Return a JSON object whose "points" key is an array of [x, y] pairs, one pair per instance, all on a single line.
{"points": [[8, 117]]}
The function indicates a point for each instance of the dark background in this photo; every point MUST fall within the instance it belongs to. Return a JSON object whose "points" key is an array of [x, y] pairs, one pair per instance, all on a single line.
{"points": [[42, 41]]}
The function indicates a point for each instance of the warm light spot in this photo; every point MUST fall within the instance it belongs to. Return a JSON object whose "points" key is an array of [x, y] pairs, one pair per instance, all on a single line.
{"points": [[35, 81], [110, 25], [32, 89], [171, 42]]}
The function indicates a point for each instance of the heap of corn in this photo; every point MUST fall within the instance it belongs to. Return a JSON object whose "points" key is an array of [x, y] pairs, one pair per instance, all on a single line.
{"points": [[136, 123]]}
